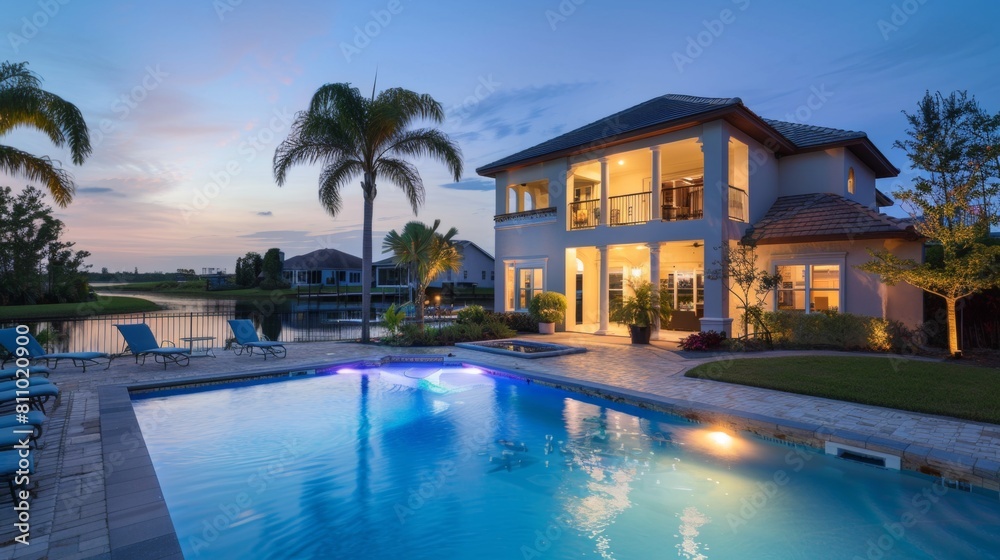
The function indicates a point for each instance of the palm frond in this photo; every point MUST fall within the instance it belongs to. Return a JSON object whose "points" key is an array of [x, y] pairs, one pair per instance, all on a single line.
{"points": [[333, 179], [405, 176], [424, 142], [40, 169]]}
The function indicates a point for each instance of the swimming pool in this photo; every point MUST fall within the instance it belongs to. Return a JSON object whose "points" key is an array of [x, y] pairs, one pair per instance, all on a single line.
{"points": [[432, 461]]}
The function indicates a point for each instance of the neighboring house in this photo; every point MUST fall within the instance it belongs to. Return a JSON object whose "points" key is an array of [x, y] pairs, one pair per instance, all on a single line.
{"points": [[478, 268], [327, 267], [579, 214]]}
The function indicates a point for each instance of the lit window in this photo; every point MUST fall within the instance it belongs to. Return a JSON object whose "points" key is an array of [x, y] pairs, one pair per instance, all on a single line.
{"points": [[819, 284], [529, 284], [850, 180]]}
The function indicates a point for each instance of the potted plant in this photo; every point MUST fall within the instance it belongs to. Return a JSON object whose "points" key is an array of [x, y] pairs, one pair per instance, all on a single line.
{"points": [[548, 309], [640, 310]]}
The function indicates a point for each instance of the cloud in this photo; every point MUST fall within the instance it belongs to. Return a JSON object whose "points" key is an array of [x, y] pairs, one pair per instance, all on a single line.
{"points": [[99, 191], [471, 184], [265, 213]]}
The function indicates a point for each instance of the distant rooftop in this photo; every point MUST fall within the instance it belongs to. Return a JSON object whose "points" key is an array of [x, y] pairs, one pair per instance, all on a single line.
{"points": [[677, 111], [324, 259]]}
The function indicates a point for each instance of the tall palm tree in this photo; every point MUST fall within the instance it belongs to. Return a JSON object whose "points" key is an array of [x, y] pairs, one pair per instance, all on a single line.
{"points": [[425, 253], [351, 136], [23, 103]]}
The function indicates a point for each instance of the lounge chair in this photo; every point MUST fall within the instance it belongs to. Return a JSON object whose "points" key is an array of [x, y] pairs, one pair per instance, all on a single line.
{"points": [[247, 339], [9, 338], [141, 342], [9, 467], [33, 371], [33, 419], [36, 394]]}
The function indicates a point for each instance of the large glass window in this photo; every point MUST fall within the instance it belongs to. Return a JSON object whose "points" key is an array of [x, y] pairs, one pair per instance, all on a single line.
{"points": [[616, 289], [817, 284], [529, 284]]}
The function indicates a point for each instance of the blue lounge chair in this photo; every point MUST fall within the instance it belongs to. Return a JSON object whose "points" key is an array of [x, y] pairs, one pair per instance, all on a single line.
{"points": [[141, 342], [9, 467], [247, 339], [33, 371], [36, 395], [9, 338], [32, 419]]}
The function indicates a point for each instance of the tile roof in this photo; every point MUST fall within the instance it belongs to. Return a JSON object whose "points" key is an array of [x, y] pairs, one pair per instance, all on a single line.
{"points": [[807, 136], [825, 217], [673, 109], [324, 259], [660, 110]]}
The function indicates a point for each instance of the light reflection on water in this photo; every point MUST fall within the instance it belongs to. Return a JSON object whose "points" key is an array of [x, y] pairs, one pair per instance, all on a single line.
{"points": [[447, 462]]}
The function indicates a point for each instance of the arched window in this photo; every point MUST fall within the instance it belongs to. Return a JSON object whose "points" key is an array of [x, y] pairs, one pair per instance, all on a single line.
{"points": [[850, 181], [511, 199]]}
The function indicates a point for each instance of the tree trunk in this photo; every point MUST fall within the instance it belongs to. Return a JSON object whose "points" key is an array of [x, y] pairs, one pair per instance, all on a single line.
{"points": [[953, 348], [366, 260], [421, 295]]}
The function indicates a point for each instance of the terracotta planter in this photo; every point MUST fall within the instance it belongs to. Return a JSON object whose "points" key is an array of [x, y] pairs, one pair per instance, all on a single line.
{"points": [[547, 328], [640, 335]]}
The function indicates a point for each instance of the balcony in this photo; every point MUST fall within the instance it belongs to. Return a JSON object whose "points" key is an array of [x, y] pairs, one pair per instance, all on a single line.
{"points": [[684, 202], [629, 209], [738, 207], [585, 213], [528, 217]]}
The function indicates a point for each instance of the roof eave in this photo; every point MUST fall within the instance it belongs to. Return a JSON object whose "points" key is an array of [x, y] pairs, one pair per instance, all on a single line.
{"points": [[865, 150], [908, 235]]}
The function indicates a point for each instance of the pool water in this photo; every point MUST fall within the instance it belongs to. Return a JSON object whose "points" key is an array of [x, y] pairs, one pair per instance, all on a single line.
{"points": [[451, 462]]}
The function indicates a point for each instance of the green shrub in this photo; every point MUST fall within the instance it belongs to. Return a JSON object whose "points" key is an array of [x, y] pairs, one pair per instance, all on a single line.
{"points": [[547, 307], [393, 319], [494, 327], [471, 315], [518, 321], [830, 329]]}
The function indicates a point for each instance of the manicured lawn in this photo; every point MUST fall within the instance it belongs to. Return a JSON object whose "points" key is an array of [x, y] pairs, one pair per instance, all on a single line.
{"points": [[945, 388], [104, 305]]}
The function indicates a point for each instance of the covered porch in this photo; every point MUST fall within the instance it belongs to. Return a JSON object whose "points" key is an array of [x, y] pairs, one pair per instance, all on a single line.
{"points": [[599, 278]]}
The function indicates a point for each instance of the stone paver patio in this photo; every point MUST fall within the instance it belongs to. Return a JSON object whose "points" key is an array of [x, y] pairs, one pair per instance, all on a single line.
{"points": [[69, 510]]}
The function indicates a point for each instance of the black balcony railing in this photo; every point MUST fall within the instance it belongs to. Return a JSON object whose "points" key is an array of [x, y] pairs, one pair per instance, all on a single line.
{"points": [[738, 206], [682, 203], [584, 214], [629, 209]]}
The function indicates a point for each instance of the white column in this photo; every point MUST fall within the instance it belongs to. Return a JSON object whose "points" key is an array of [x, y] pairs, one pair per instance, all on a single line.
{"points": [[715, 147], [603, 288], [654, 196], [654, 279], [605, 187]]}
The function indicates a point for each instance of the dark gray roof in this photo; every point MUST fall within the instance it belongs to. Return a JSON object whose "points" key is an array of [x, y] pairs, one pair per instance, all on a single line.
{"points": [[658, 111], [807, 136], [324, 259], [460, 244], [676, 110]]}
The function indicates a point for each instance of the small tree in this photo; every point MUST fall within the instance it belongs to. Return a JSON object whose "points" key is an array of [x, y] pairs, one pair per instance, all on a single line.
{"points": [[944, 146], [750, 285], [547, 307], [426, 253], [271, 267], [248, 268]]}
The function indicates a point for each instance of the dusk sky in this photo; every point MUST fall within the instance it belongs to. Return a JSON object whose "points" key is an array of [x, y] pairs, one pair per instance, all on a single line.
{"points": [[187, 100]]}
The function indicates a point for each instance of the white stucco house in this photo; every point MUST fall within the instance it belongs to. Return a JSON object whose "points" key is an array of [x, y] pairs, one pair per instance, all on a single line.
{"points": [[478, 268], [653, 192]]}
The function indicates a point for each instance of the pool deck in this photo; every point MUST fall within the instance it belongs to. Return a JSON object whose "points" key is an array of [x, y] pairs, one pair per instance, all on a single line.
{"points": [[70, 513]]}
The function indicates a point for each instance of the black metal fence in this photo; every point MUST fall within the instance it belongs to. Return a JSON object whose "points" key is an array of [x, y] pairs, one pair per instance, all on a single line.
{"points": [[100, 335]]}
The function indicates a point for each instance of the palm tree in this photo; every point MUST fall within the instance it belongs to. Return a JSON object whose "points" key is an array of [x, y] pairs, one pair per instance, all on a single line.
{"points": [[352, 136], [23, 103], [425, 253]]}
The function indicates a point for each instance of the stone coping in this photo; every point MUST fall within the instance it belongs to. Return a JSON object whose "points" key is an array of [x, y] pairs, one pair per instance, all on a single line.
{"points": [[140, 525]]}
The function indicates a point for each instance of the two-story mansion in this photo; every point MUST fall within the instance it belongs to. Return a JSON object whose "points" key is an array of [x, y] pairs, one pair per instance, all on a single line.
{"points": [[654, 191]]}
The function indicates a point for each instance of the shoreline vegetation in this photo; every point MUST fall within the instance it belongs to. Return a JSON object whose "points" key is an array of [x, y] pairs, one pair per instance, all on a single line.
{"points": [[103, 305], [945, 388]]}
